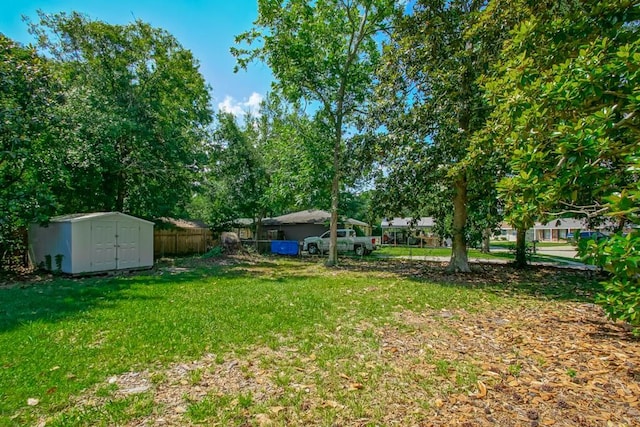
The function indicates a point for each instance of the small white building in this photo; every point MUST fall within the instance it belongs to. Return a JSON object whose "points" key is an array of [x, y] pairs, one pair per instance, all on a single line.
{"points": [[412, 231], [92, 242]]}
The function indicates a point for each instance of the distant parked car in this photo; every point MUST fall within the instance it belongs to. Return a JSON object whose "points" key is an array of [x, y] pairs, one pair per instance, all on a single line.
{"points": [[587, 235]]}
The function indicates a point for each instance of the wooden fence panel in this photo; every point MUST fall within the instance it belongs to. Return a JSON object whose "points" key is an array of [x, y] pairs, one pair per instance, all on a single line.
{"points": [[182, 242]]}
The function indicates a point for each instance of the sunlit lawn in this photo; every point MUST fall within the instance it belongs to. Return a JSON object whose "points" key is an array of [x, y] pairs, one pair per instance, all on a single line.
{"points": [[411, 251], [61, 337], [505, 244]]}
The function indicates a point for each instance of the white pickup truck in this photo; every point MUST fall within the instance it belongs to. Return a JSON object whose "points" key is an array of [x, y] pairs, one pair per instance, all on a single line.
{"points": [[347, 241]]}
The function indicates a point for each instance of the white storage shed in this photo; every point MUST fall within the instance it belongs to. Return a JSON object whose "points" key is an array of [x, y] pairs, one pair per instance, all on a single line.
{"points": [[93, 242]]}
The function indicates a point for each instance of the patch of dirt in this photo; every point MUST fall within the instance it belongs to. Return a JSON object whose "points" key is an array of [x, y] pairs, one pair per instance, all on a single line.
{"points": [[241, 258], [481, 272], [562, 366]]}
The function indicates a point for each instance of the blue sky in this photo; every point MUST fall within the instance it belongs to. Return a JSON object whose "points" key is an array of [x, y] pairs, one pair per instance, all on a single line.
{"points": [[206, 27]]}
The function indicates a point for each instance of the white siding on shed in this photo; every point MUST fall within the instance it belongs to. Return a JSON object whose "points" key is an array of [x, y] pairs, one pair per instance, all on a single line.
{"points": [[93, 242]]}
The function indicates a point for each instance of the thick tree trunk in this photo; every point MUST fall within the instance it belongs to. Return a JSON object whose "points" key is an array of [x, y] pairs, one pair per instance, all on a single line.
{"points": [[521, 248], [459, 261], [486, 240]]}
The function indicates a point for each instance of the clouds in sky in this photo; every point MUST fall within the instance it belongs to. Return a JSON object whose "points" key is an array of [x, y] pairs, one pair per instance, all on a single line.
{"points": [[240, 108]]}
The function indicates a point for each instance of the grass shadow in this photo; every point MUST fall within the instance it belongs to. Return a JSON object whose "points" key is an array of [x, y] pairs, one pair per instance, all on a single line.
{"points": [[537, 281], [56, 298]]}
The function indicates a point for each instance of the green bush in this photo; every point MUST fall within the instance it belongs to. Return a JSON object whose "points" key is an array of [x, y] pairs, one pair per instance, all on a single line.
{"points": [[620, 257], [214, 252]]}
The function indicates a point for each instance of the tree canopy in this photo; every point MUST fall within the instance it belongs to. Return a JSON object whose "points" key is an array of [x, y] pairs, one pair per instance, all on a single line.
{"points": [[133, 118], [566, 117], [430, 104], [565, 108], [29, 152]]}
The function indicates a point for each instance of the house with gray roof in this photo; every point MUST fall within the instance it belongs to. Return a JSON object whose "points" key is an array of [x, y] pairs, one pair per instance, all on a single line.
{"points": [[311, 222]]}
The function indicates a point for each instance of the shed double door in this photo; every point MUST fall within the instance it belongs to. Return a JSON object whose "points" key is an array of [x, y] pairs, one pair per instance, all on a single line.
{"points": [[115, 245]]}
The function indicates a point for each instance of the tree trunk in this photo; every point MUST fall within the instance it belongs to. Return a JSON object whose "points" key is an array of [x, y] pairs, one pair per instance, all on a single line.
{"points": [[333, 236], [335, 193], [486, 240], [120, 193], [521, 248], [459, 261], [258, 224], [120, 176]]}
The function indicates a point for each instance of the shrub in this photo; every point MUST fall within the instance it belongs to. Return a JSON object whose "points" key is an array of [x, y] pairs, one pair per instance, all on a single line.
{"points": [[214, 252], [620, 257]]}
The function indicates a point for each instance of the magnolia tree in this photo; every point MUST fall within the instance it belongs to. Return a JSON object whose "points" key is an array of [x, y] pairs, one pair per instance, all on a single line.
{"points": [[566, 110]]}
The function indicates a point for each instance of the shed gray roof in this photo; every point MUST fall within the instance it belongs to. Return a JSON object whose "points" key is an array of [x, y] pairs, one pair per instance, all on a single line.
{"points": [[92, 215], [311, 216], [246, 222], [425, 221]]}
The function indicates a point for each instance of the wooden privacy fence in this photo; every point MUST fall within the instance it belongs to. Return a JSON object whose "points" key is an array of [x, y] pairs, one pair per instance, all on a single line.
{"points": [[182, 241]]}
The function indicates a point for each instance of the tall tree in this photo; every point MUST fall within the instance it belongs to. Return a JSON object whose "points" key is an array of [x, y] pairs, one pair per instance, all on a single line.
{"points": [[236, 180], [324, 52], [431, 105], [134, 116], [294, 148], [29, 151], [267, 164]]}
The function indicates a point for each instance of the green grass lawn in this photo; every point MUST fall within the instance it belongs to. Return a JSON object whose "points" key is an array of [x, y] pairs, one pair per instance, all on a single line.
{"points": [[505, 244], [405, 251], [61, 339], [396, 251]]}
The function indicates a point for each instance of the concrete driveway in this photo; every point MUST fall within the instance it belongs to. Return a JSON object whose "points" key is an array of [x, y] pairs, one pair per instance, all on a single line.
{"points": [[567, 251]]}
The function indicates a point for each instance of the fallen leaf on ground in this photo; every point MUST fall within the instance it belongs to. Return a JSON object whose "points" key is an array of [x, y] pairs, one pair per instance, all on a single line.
{"points": [[263, 419], [482, 390]]}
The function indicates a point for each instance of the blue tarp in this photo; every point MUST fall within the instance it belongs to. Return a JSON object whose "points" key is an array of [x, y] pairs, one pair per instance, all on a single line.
{"points": [[284, 247]]}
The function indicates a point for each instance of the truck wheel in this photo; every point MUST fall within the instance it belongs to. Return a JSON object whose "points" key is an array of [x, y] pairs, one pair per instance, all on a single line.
{"points": [[360, 250], [313, 250]]}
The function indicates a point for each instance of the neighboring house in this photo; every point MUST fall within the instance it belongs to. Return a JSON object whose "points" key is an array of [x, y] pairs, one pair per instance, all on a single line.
{"points": [[164, 222], [407, 230], [552, 231], [243, 227], [298, 225], [557, 230]]}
